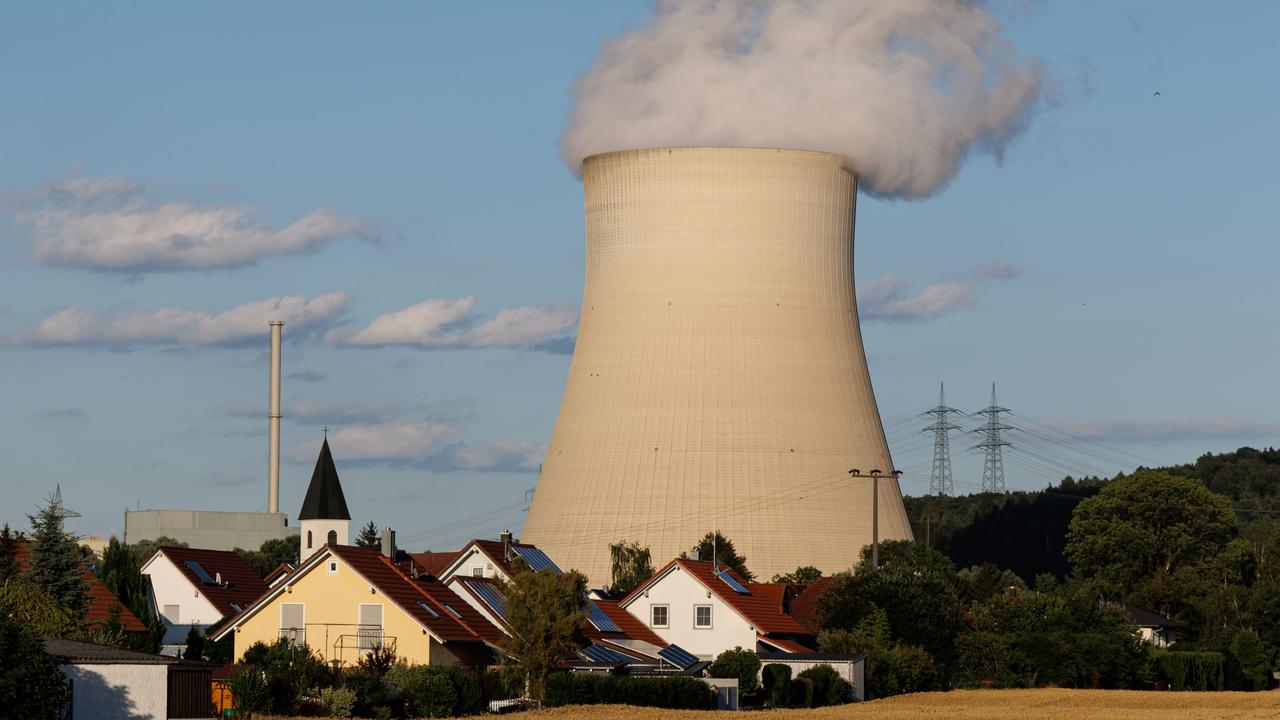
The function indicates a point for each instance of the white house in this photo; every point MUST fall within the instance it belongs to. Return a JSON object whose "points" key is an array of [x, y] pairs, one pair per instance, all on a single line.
{"points": [[1153, 627], [706, 610], [190, 587], [109, 683]]}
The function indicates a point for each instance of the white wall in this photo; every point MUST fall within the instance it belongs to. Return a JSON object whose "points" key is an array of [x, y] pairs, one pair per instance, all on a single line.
{"points": [[169, 586], [681, 592], [319, 530], [119, 692], [853, 671], [476, 559]]}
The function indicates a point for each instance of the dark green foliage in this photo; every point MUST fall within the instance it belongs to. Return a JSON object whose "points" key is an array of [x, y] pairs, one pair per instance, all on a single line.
{"points": [[547, 614], [144, 549], [828, 687], [218, 652], [777, 684], [120, 571], [983, 582], [1189, 670], [285, 671], [631, 564], [497, 686], [369, 536], [272, 553], [738, 663], [672, 691], [21, 600], [377, 662], [717, 547], [893, 668], [195, 645], [439, 691], [31, 686], [249, 691], [1062, 639], [801, 692], [57, 566], [8, 551], [1250, 662], [804, 575]]}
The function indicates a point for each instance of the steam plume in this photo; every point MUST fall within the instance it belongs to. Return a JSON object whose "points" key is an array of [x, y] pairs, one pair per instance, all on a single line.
{"points": [[905, 90]]}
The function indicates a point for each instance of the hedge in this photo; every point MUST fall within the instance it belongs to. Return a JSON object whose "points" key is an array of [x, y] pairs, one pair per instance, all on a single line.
{"points": [[777, 684], [1191, 670], [671, 691], [828, 687]]}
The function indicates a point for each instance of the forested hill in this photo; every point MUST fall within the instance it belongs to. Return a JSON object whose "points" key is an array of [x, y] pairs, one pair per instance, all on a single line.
{"points": [[1026, 531]]}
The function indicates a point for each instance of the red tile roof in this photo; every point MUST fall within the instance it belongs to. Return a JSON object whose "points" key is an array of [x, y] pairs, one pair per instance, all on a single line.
{"points": [[630, 624], [101, 599], [806, 607], [435, 562], [426, 599], [762, 607], [240, 584]]}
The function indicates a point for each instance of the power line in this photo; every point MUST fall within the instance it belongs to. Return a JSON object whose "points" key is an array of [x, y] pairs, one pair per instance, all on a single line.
{"points": [[940, 482]]}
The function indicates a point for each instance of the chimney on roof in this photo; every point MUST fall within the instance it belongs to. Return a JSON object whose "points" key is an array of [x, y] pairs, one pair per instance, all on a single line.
{"points": [[695, 554], [389, 543], [217, 578], [505, 537]]}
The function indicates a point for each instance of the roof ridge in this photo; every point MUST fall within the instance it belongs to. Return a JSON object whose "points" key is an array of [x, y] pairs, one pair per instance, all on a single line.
{"points": [[417, 585]]}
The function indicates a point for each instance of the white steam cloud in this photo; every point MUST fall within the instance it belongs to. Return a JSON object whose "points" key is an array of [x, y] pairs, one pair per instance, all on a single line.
{"points": [[905, 90]]}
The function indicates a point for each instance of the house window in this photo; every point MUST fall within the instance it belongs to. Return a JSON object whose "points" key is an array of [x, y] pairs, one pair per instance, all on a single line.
{"points": [[172, 614], [308, 539], [702, 616], [292, 623], [333, 567], [369, 633], [333, 537], [477, 572], [659, 615]]}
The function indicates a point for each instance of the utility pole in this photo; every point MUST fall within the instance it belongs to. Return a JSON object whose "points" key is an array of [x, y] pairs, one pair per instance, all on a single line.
{"points": [[940, 477], [993, 463], [875, 514]]}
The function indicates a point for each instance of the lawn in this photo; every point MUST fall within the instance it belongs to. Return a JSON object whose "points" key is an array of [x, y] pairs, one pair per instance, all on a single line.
{"points": [[975, 704]]}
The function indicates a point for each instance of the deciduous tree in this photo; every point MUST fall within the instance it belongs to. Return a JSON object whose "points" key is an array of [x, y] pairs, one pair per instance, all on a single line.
{"points": [[547, 614], [630, 565], [717, 547]]}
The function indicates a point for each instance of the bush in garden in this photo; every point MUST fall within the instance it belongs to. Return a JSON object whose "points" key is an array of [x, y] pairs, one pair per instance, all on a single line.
{"points": [[671, 691], [828, 687], [339, 702], [438, 691], [737, 663], [249, 691], [801, 692], [777, 684]]}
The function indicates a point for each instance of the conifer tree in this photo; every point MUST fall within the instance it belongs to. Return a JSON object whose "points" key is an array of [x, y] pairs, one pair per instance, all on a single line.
{"points": [[57, 566], [8, 551], [369, 536]]}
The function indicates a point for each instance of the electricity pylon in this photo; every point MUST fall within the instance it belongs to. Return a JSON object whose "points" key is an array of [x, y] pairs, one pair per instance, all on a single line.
{"points": [[940, 477], [993, 464]]}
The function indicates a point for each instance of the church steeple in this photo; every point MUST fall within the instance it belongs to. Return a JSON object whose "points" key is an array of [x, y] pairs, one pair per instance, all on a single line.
{"points": [[324, 518]]}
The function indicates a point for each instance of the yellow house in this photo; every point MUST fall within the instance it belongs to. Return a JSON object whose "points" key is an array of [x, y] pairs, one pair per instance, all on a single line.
{"points": [[343, 601]]}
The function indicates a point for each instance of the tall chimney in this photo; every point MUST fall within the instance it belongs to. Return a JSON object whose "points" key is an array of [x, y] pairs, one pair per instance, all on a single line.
{"points": [[273, 421]]}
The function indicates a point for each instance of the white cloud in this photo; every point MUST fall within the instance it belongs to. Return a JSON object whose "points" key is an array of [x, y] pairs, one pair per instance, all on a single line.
{"points": [[885, 298], [443, 324], [429, 445], [1171, 429], [109, 225], [998, 270], [243, 324]]}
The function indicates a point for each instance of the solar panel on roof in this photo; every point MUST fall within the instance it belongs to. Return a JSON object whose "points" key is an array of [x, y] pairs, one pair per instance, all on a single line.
{"points": [[430, 611], [490, 596], [453, 612], [678, 656], [603, 622], [728, 580], [536, 559], [198, 569], [600, 653]]}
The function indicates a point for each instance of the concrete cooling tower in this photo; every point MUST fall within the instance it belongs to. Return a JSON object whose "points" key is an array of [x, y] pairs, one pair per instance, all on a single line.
{"points": [[719, 380]]}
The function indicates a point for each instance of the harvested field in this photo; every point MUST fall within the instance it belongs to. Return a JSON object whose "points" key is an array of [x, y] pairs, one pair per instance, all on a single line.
{"points": [[1048, 704]]}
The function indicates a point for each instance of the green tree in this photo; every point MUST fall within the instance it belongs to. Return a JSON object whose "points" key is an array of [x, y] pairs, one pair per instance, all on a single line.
{"points": [[547, 614], [893, 668], [25, 602], [630, 565], [803, 575], [369, 536], [737, 663], [195, 645], [1129, 540], [121, 572], [57, 566], [271, 554], [144, 549], [8, 553], [714, 546], [31, 685]]}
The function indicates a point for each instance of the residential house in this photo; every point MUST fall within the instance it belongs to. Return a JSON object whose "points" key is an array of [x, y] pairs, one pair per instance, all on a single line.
{"points": [[1153, 627], [102, 602], [188, 587], [704, 610], [343, 601]]}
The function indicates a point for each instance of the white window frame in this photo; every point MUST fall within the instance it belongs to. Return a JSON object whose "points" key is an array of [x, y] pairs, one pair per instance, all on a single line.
{"points": [[710, 616], [331, 568], [666, 613], [477, 572]]}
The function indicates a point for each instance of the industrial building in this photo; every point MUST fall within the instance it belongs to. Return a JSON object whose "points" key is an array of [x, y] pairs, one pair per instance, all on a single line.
{"points": [[719, 379]]}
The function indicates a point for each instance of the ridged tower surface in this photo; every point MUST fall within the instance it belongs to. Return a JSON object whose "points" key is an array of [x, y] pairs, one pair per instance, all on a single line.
{"points": [[719, 380]]}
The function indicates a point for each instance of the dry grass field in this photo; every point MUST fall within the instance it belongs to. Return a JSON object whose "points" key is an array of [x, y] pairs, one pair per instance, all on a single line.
{"points": [[983, 704]]}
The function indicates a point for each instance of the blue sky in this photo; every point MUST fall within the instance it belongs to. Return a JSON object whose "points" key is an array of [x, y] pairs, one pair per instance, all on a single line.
{"points": [[1114, 274]]}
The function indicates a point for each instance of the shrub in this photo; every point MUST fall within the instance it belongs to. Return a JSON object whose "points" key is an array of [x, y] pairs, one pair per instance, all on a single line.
{"points": [[339, 702], [497, 686], [438, 691], [249, 691], [31, 685], [672, 692], [1190, 670], [777, 684], [801, 692], [737, 663], [828, 687]]}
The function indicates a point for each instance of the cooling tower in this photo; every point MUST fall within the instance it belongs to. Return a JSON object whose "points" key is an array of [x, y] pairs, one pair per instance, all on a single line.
{"points": [[719, 380]]}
